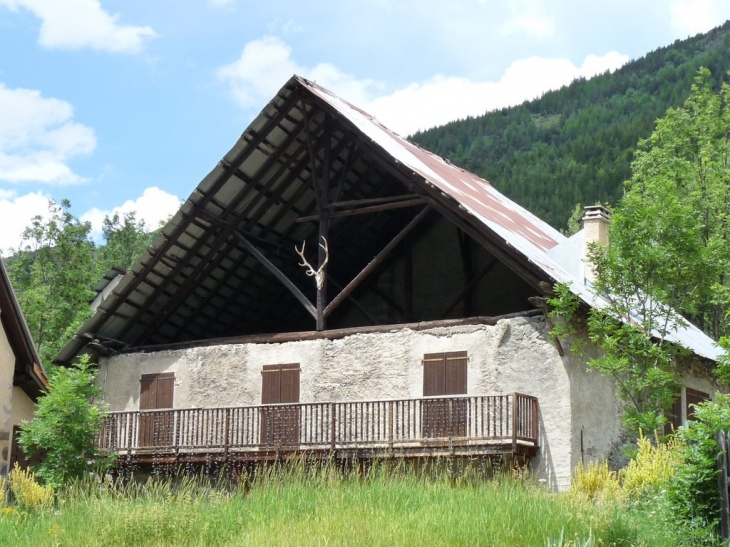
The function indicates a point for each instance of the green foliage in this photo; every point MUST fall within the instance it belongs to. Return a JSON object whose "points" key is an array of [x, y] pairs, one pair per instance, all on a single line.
{"points": [[126, 239], [65, 425], [576, 144], [693, 493], [57, 266], [575, 221], [52, 275]]}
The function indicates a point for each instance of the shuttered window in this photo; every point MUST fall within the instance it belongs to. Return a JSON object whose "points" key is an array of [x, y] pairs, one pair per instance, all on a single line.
{"points": [[678, 414], [156, 393], [694, 397], [444, 374], [280, 385]]}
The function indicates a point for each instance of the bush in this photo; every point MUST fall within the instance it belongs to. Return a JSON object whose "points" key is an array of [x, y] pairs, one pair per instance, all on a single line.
{"points": [[65, 427], [693, 493], [28, 493], [596, 482], [651, 469]]}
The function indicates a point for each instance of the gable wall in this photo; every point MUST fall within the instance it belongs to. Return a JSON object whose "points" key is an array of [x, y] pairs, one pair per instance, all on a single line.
{"points": [[514, 355], [7, 369]]}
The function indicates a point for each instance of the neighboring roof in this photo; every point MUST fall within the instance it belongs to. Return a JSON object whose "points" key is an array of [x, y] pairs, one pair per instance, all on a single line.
{"points": [[29, 373], [195, 281]]}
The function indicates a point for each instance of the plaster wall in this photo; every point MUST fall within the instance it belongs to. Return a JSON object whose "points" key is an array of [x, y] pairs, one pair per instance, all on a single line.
{"points": [[514, 355], [23, 406], [7, 369]]}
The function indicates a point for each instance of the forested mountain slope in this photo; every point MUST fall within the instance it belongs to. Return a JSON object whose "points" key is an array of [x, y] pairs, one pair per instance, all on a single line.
{"points": [[576, 144]]}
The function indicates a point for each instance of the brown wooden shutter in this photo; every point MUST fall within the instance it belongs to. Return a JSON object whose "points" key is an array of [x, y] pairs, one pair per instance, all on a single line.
{"points": [[694, 397], [280, 385], [156, 393], [674, 416], [444, 374]]}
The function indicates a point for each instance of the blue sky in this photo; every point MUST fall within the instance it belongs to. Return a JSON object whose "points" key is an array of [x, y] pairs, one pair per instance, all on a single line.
{"points": [[123, 105]]}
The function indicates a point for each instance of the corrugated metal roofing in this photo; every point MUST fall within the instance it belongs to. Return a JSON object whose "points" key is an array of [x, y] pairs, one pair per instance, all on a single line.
{"points": [[262, 185]]}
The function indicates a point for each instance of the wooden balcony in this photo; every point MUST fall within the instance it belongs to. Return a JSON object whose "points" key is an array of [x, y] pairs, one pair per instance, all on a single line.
{"points": [[489, 425]]}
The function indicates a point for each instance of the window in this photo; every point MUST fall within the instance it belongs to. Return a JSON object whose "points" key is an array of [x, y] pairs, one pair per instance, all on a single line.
{"points": [[444, 374], [156, 393], [280, 385], [683, 409]]}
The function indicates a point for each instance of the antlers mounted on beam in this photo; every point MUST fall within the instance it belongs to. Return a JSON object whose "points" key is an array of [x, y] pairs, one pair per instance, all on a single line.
{"points": [[318, 274]]}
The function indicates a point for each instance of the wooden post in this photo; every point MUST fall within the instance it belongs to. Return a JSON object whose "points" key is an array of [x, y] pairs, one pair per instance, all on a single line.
{"points": [[722, 484], [324, 219], [514, 423]]}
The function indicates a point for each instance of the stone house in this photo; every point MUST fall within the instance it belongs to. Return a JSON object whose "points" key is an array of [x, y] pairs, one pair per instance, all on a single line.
{"points": [[22, 378], [415, 333]]}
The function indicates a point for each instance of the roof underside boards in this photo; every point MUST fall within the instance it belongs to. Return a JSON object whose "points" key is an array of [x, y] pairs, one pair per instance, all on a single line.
{"points": [[29, 373], [197, 279]]}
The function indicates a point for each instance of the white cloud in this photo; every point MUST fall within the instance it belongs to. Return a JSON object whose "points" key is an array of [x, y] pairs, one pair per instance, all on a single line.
{"points": [[75, 24], [690, 17], [266, 64], [154, 206], [16, 213], [38, 137]]}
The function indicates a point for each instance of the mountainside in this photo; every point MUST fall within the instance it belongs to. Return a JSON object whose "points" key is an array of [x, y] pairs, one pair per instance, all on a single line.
{"points": [[576, 144]]}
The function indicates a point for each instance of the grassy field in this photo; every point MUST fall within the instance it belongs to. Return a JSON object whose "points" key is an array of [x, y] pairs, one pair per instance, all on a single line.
{"points": [[328, 508]]}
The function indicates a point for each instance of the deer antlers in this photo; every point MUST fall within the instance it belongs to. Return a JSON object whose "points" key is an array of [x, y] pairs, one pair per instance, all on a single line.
{"points": [[318, 274]]}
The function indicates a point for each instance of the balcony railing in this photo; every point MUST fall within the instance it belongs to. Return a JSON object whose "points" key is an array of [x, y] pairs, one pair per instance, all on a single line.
{"points": [[502, 422]]}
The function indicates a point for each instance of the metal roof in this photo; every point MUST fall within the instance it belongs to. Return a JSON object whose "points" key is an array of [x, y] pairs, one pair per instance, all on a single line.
{"points": [[196, 281]]}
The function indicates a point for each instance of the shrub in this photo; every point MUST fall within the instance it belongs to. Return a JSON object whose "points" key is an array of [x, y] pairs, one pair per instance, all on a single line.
{"points": [[28, 493], [65, 426], [693, 493], [654, 464], [595, 482]]}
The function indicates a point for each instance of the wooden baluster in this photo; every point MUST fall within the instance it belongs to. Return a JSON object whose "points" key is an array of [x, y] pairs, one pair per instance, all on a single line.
{"points": [[333, 426], [514, 423]]}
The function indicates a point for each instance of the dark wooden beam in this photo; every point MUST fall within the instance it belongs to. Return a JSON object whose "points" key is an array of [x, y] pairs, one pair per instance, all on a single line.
{"points": [[375, 262], [371, 201], [366, 210], [278, 273], [334, 334]]}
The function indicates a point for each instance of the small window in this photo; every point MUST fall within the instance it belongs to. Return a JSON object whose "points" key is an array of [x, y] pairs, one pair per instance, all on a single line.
{"points": [[444, 374], [280, 424], [680, 413], [156, 393]]}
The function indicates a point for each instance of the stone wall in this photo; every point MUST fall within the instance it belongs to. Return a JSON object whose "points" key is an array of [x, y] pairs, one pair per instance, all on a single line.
{"points": [[514, 355]]}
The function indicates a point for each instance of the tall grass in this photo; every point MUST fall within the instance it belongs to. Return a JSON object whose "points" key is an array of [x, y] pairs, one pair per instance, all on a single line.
{"points": [[324, 506]]}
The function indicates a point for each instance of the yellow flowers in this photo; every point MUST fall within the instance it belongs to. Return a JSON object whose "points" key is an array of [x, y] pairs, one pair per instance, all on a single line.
{"points": [[28, 493], [652, 467]]}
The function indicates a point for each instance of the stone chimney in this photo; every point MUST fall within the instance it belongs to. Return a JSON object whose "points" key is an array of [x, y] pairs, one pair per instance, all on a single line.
{"points": [[595, 230]]}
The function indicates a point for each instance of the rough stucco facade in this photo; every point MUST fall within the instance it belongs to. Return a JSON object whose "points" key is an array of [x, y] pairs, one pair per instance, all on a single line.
{"points": [[513, 355], [7, 368]]}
